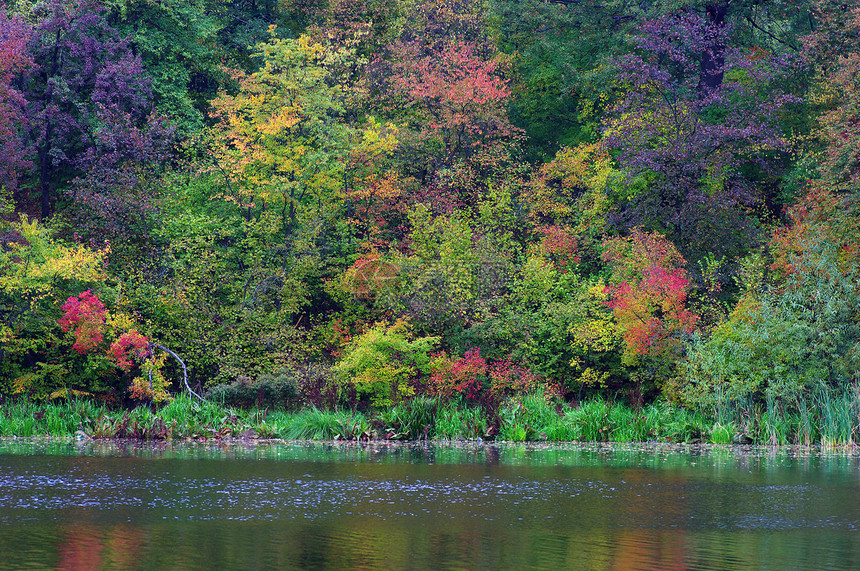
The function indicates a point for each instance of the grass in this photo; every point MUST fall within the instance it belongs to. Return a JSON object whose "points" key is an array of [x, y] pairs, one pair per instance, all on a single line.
{"points": [[830, 419]]}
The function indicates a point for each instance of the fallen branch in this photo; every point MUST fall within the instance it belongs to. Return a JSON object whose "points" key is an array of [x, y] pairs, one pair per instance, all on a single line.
{"points": [[184, 368]]}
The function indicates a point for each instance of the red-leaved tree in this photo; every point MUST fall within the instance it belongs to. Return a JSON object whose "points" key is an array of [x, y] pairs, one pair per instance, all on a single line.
{"points": [[648, 294], [86, 314]]}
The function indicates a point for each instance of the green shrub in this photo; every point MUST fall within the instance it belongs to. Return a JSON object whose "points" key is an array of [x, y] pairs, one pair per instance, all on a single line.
{"points": [[278, 390], [783, 345], [381, 364]]}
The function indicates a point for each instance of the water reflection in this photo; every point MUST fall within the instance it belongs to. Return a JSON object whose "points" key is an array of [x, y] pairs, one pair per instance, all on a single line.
{"points": [[384, 507]]}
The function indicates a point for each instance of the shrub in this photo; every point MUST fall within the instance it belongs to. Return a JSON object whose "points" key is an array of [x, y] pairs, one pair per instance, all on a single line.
{"points": [[269, 390], [382, 365], [788, 343]]}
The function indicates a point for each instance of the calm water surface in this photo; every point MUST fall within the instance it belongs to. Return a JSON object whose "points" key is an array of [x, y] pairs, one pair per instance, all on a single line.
{"points": [[325, 506]]}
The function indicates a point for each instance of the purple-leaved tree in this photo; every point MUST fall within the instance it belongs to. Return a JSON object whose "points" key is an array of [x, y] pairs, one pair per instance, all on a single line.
{"points": [[695, 114], [87, 82], [14, 62]]}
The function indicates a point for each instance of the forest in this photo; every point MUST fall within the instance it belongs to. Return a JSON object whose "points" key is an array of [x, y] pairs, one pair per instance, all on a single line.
{"points": [[354, 205]]}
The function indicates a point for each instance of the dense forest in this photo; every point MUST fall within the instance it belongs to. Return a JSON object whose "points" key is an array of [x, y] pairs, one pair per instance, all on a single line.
{"points": [[350, 204]]}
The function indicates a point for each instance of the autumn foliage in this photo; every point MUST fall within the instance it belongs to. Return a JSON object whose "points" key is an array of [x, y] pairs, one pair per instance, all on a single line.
{"points": [[450, 198], [127, 346], [649, 296], [473, 377], [86, 315]]}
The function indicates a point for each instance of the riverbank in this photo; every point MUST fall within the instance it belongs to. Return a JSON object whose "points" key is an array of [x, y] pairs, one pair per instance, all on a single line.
{"points": [[530, 418], [652, 454]]}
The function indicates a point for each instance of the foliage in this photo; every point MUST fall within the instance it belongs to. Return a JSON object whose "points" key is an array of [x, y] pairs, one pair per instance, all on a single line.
{"points": [[470, 377], [443, 80], [278, 142], [269, 390], [456, 276], [120, 349], [694, 113], [462, 95], [383, 365], [37, 272], [86, 314], [15, 61], [649, 292], [788, 343], [575, 189], [562, 53], [87, 74], [176, 43], [463, 377], [648, 299], [567, 202]]}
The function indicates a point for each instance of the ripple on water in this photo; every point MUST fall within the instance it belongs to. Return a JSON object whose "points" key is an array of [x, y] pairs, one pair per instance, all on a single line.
{"points": [[379, 516]]}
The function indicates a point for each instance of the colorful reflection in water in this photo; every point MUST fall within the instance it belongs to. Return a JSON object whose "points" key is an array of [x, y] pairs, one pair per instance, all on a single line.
{"points": [[321, 506]]}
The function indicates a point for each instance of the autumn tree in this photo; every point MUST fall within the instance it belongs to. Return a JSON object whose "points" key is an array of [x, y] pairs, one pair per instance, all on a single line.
{"points": [[829, 207], [648, 297], [278, 141], [85, 71], [36, 270], [446, 81], [15, 62], [688, 134], [116, 195]]}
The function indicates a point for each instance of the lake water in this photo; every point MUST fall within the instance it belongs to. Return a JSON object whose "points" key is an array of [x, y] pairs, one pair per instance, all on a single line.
{"points": [[108, 505]]}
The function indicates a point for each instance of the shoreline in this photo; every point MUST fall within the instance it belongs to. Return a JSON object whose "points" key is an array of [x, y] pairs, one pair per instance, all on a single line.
{"points": [[649, 447]]}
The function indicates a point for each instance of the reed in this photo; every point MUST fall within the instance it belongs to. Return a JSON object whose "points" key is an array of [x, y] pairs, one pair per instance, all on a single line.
{"points": [[829, 417], [316, 424], [458, 422], [839, 417], [411, 420]]}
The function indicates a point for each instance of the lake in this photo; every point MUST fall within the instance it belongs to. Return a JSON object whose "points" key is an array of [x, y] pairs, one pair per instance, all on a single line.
{"points": [[301, 505]]}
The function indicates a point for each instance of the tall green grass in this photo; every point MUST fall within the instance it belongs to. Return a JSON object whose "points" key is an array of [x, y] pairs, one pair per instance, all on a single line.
{"points": [[457, 422], [839, 417], [828, 417], [534, 418], [61, 419], [315, 424]]}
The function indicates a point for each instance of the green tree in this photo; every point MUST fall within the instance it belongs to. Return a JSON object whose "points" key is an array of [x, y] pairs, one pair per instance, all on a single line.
{"points": [[177, 42], [788, 342]]}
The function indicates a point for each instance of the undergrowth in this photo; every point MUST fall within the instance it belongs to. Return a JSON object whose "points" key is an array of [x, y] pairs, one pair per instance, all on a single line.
{"points": [[533, 417]]}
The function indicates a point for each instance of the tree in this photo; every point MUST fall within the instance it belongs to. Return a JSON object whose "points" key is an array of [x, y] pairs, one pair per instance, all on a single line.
{"points": [[85, 70], [462, 96], [278, 141], [835, 51], [561, 55], [792, 343], [444, 80], [830, 205], [176, 41], [116, 195], [35, 271], [648, 298], [14, 63], [688, 125]]}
